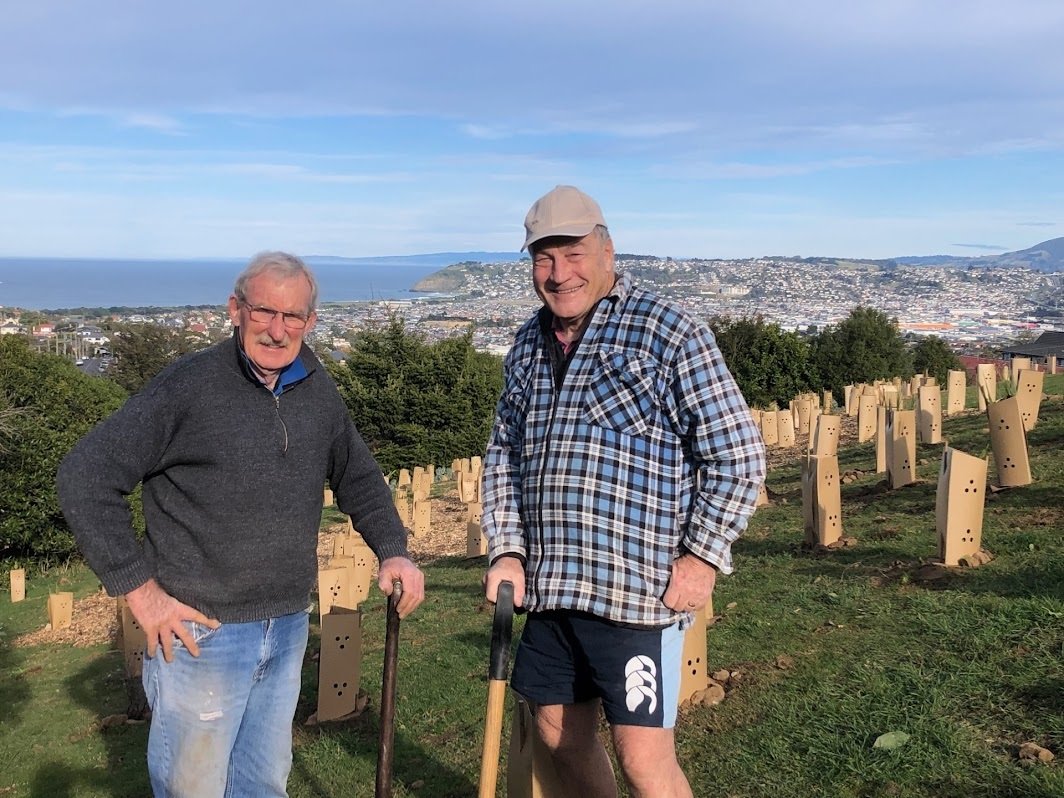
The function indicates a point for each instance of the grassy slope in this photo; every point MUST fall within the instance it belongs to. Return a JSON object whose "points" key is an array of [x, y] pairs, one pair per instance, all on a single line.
{"points": [[969, 665]]}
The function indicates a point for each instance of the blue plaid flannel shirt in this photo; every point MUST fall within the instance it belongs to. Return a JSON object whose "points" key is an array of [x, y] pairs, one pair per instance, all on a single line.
{"points": [[647, 449]]}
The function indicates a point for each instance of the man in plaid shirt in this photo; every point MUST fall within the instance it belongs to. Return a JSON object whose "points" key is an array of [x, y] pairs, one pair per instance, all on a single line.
{"points": [[622, 465]]}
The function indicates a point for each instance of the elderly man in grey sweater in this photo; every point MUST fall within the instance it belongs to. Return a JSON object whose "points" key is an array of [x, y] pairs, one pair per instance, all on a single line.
{"points": [[233, 445]]}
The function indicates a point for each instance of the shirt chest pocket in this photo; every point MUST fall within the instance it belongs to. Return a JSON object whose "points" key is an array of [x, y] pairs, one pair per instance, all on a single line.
{"points": [[517, 393], [622, 395]]}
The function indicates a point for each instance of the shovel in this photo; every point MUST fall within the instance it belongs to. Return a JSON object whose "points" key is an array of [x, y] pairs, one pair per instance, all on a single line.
{"points": [[501, 633], [385, 751]]}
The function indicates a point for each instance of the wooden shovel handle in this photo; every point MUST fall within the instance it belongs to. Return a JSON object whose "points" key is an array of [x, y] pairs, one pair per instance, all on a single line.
{"points": [[501, 635], [385, 751]]}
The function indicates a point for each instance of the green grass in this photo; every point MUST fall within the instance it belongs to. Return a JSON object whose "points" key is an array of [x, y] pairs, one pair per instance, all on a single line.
{"points": [[969, 665]]}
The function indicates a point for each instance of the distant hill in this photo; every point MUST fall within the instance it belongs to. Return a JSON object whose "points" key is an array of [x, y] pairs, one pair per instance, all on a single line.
{"points": [[454, 268], [440, 259], [1047, 256]]}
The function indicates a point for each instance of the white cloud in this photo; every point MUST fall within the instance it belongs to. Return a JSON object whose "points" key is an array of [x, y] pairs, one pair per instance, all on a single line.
{"points": [[485, 132], [763, 171], [160, 123], [474, 61], [420, 102]]}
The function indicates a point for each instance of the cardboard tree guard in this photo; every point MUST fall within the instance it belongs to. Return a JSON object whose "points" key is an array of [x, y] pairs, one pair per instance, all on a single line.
{"points": [[805, 411], [476, 540], [353, 555], [60, 610], [891, 396], [882, 444], [336, 591], [930, 414], [1017, 365], [762, 496], [344, 545], [530, 772], [914, 384], [402, 506], [770, 428], [959, 504], [1029, 385], [901, 438], [422, 517], [955, 392], [694, 670], [985, 383], [825, 438], [18, 585], [339, 664], [1008, 442], [755, 416], [469, 487], [866, 418], [821, 499], [785, 422], [134, 640]]}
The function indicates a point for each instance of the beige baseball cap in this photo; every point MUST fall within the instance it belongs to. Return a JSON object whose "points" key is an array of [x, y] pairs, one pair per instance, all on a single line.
{"points": [[562, 211]]}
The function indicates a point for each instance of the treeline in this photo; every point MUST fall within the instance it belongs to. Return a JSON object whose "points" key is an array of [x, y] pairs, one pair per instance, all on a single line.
{"points": [[46, 405], [772, 365], [415, 402]]}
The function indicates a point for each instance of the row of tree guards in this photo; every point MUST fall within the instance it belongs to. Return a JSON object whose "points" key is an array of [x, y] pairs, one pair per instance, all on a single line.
{"points": [[895, 415], [344, 582]]}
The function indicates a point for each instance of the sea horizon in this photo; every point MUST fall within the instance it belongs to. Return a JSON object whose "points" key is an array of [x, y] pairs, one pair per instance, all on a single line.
{"points": [[52, 284]]}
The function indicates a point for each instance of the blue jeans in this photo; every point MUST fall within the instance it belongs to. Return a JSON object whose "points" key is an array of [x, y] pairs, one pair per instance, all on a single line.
{"points": [[221, 723]]}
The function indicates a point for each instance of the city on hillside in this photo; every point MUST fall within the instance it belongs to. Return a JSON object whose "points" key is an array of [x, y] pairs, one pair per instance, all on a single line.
{"points": [[978, 310]]}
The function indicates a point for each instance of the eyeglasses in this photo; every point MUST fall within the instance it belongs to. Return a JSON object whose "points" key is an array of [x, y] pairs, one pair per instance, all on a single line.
{"points": [[261, 315]]}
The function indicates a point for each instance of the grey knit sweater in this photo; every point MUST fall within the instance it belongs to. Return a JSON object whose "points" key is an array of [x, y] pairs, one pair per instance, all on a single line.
{"points": [[233, 480]]}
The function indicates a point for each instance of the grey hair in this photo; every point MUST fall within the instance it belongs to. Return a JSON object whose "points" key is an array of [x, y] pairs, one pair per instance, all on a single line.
{"points": [[280, 264]]}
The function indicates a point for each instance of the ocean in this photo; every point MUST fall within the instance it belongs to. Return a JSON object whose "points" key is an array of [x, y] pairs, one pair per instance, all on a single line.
{"points": [[56, 283]]}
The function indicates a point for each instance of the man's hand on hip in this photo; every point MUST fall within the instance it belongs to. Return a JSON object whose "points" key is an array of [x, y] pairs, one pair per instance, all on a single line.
{"points": [[506, 568], [162, 618], [413, 581], [691, 584]]}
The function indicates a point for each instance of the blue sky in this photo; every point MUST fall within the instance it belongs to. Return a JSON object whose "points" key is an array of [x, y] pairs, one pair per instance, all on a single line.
{"points": [[705, 129]]}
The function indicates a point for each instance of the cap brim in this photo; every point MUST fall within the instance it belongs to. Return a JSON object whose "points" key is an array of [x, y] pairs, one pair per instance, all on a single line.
{"points": [[568, 231]]}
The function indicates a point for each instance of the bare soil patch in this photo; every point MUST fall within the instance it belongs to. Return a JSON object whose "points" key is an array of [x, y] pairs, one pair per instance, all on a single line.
{"points": [[95, 618]]}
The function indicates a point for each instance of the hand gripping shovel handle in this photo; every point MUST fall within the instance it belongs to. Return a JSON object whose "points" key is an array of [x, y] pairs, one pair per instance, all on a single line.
{"points": [[501, 633], [385, 750]]}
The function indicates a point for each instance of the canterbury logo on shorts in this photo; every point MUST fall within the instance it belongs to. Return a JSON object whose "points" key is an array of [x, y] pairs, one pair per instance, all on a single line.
{"points": [[641, 684]]}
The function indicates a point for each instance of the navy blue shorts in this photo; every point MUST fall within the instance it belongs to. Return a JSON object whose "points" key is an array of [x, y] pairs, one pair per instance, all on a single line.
{"points": [[572, 657]]}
